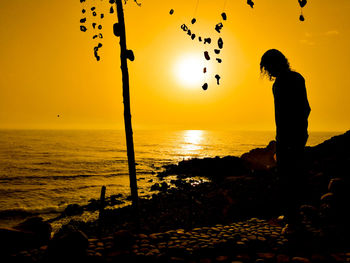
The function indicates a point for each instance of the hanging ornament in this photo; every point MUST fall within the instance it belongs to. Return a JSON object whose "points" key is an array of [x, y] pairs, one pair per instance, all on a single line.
{"points": [[217, 79], [219, 60], [220, 43], [207, 40], [251, 3], [83, 28], [205, 70], [205, 86], [224, 16], [218, 27], [83, 20], [171, 11], [217, 51], [193, 36], [96, 51], [193, 21], [301, 18], [302, 3], [206, 55], [184, 27]]}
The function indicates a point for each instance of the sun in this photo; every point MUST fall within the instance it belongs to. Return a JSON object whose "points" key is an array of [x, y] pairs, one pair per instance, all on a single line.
{"points": [[189, 70]]}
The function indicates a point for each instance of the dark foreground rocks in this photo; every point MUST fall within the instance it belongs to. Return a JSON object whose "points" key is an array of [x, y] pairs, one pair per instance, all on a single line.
{"points": [[212, 221], [253, 240], [31, 233]]}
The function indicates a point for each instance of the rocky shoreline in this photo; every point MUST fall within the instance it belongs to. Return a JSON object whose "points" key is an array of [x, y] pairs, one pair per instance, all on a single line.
{"points": [[229, 219]]}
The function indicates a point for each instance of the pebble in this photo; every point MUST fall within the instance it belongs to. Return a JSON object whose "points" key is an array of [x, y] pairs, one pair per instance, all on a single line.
{"points": [[300, 260]]}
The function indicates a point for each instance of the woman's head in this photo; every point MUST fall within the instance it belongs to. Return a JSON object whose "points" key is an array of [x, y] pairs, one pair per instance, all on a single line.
{"points": [[273, 62]]}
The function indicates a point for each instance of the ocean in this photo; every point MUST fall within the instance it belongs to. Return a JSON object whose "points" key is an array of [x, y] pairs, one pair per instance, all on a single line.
{"points": [[42, 171]]}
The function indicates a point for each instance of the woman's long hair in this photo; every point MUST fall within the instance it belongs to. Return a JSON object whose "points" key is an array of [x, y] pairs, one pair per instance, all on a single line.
{"points": [[273, 58]]}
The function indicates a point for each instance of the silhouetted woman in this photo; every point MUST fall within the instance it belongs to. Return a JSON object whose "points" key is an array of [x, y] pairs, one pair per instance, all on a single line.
{"points": [[291, 115]]}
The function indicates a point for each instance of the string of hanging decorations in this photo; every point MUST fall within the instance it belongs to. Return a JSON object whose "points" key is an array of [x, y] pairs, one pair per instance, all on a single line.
{"points": [[95, 26], [218, 28]]}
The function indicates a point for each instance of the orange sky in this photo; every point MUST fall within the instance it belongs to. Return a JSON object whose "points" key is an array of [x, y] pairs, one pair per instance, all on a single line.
{"points": [[47, 65]]}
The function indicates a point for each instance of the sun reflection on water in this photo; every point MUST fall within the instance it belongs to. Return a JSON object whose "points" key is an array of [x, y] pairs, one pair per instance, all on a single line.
{"points": [[192, 142]]}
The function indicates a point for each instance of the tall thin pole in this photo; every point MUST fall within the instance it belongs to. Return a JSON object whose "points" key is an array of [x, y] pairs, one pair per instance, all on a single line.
{"points": [[127, 112]]}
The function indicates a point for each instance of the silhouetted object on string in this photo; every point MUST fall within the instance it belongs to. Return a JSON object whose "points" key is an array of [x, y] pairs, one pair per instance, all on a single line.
{"points": [[219, 60], [251, 3], [204, 70], [291, 116], [189, 32], [224, 16], [99, 27], [171, 11], [83, 20], [58, 116], [218, 27], [81, 1], [217, 51], [184, 27], [200, 39], [205, 86], [130, 55], [102, 16], [93, 8], [96, 51], [220, 43], [83, 11], [193, 21], [206, 55], [93, 25], [302, 3], [100, 35], [193, 36], [95, 36], [207, 40], [94, 13], [83, 28], [217, 79], [111, 10]]}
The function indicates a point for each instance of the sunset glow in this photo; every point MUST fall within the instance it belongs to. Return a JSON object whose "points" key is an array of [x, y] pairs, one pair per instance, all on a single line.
{"points": [[48, 70], [189, 71]]}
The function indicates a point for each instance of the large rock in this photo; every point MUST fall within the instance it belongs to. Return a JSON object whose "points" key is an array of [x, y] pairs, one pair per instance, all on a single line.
{"points": [[261, 158], [67, 245], [31, 233]]}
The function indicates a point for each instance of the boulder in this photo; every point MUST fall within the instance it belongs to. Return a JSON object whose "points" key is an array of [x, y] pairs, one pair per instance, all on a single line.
{"points": [[73, 209], [69, 244], [261, 158], [31, 233]]}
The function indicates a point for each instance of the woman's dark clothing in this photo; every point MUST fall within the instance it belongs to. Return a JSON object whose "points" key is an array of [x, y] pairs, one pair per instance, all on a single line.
{"points": [[291, 115]]}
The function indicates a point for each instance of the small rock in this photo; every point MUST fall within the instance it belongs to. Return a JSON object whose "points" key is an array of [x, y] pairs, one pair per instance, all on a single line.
{"points": [[300, 260]]}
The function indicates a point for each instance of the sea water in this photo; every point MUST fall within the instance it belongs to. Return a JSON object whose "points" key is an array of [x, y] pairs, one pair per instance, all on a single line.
{"points": [[42, 171]]}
